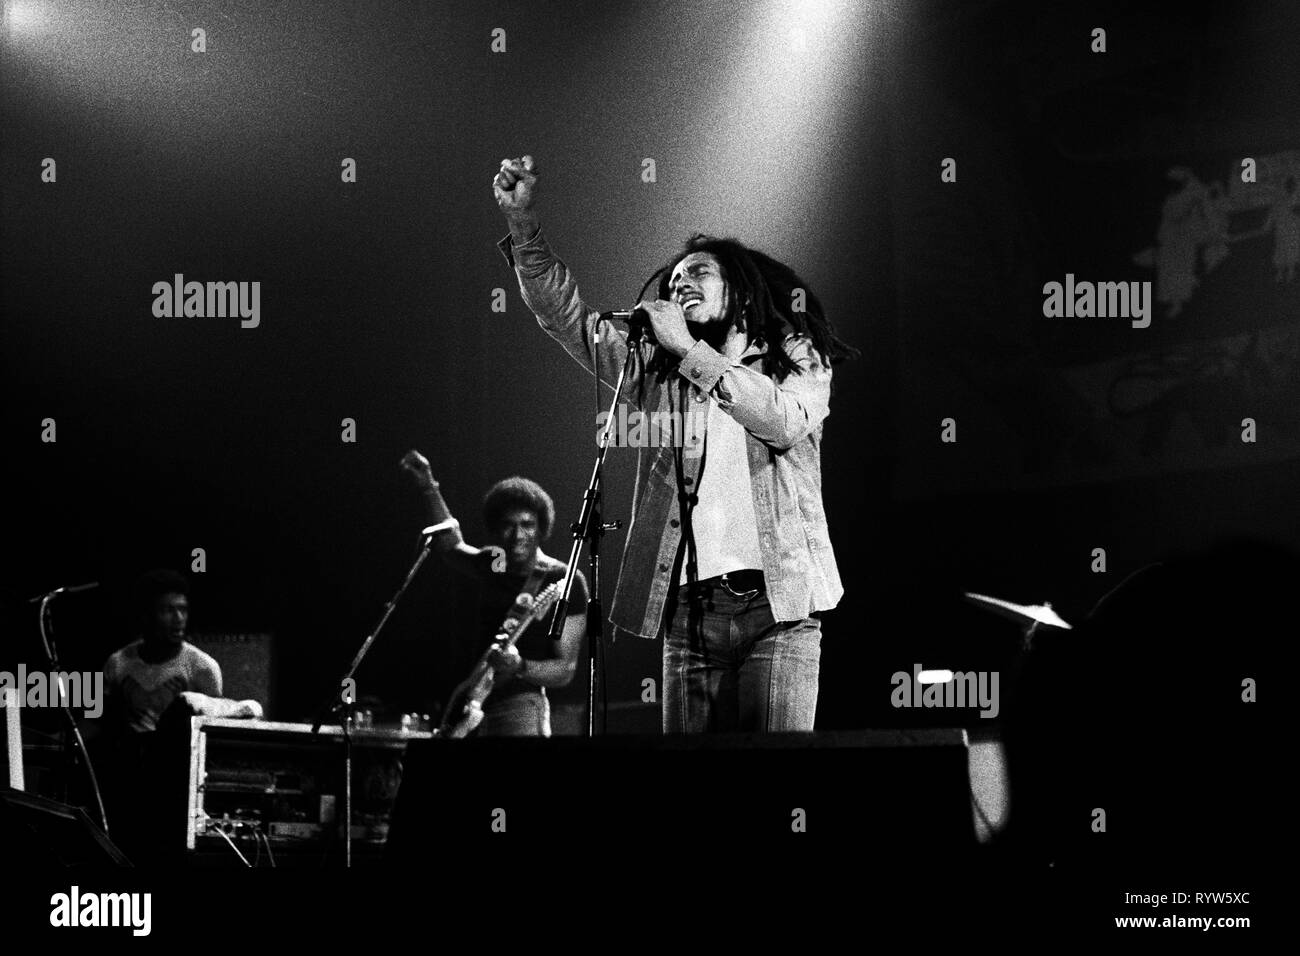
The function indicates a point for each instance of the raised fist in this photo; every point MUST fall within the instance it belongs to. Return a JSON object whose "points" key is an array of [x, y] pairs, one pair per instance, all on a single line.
{"points": [[515, 185], [418, 466]]}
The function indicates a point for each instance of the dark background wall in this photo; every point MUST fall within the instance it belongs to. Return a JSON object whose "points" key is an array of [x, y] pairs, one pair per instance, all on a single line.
{"points": [[821, 147]]}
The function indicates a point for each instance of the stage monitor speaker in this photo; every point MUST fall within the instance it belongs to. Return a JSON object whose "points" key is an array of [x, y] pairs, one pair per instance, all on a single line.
{"points": [[43, 833], [876, 790], [247, 665]]}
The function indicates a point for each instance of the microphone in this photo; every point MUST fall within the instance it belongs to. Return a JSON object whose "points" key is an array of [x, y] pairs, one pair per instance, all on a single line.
{"points": [[638, 322], [440, 527], [70, 589]]}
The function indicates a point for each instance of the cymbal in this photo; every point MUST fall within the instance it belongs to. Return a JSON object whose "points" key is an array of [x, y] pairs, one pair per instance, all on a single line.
{"points": [[1023, 613]]}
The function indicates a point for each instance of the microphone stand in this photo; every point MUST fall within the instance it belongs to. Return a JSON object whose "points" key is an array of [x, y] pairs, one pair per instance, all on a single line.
{"points": [[342, 701], [590, 528], [46, 627]]}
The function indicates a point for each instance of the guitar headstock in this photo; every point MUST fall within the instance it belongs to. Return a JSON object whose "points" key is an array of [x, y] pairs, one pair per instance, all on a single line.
{"points": [[546, 597], [527, 609]]}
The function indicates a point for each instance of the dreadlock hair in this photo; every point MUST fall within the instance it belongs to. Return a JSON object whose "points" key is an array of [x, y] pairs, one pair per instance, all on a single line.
{"points": [[760, 302], [514, 493]]}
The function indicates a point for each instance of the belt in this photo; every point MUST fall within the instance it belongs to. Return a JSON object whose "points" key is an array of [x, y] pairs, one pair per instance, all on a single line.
{"points": [[745, 584]]}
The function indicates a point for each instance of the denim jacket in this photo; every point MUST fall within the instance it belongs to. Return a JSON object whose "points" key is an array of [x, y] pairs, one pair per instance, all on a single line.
{"points": [[783, 424]]}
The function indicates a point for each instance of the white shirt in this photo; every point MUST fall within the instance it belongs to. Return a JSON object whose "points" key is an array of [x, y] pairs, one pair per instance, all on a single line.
{"points": [[726, 529]]}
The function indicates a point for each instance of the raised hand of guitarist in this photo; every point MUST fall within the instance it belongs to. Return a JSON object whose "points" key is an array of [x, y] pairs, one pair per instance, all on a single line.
{"points": [[450, 542], [418, 467]]}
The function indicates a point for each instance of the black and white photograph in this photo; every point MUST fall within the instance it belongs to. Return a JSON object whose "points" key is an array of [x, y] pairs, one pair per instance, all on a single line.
{"points": [[509, 464]]}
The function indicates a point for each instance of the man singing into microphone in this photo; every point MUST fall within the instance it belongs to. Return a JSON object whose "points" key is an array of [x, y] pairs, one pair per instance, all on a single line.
{"points": [[728, 555]]}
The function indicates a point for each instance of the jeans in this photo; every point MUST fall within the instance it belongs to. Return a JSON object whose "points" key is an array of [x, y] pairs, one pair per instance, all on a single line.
{"points": [[730, 666], [525, 714]]}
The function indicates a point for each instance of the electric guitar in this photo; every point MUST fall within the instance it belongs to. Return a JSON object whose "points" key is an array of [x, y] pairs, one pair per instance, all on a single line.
{"points": [[465, 708]]}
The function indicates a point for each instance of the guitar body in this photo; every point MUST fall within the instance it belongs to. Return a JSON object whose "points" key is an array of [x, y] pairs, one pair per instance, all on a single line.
{"points": [[466, 703], [465, 707]]}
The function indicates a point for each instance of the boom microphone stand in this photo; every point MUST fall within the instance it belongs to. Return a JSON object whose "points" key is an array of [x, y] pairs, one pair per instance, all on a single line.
{"points": [[589, 528], [342, 700]]}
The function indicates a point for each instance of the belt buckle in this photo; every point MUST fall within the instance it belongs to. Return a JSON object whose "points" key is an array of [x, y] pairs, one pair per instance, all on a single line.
{"points": [[743, 595]]}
